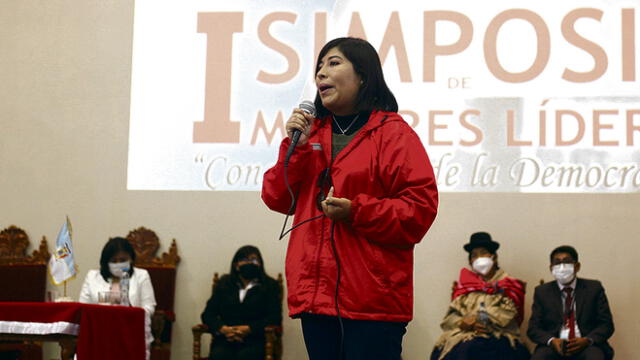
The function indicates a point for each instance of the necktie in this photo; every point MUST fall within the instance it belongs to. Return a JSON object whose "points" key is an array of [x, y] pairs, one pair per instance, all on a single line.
{"points": [[570, 316]]}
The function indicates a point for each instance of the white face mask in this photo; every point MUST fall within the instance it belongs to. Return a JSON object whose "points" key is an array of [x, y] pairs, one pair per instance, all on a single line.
{"points": [[482, 265], [564, 273], [118, 269]]}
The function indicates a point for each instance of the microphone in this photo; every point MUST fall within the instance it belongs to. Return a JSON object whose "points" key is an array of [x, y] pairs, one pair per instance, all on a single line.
{"points": [[309, 108]]}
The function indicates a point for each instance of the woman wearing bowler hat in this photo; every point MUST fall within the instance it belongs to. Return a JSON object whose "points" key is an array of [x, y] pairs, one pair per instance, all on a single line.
{"points": [[484, 316]]}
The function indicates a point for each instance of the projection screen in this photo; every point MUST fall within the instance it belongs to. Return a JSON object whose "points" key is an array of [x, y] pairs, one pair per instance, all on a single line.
{"points": [[507, 96]]}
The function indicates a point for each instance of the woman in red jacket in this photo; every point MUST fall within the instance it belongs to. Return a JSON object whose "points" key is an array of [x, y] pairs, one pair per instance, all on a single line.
{"points": [[363, 173]]}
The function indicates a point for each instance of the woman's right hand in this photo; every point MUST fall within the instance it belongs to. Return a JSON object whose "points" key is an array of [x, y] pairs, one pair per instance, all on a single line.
{"points": [[235, 333], [470, 323], [224, 330], [467, 322], [299, 120], [228, 332]]}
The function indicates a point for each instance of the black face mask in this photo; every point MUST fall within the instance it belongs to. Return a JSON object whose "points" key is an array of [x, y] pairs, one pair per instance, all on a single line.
{"points": [[249, 271]]}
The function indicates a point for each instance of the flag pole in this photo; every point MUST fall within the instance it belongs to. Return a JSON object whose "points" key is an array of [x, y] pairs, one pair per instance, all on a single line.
{"points": [[62, 267]]}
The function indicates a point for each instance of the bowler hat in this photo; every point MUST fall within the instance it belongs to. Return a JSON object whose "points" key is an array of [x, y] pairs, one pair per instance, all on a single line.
{"points": [[481, 239]]}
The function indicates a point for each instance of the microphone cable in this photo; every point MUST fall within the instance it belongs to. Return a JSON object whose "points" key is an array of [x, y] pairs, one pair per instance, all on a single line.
{"points": [[293, 201], [334, 249], [292, 207], [307, 107]]}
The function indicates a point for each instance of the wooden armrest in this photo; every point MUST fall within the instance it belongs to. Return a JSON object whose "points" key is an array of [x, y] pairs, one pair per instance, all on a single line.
{"points": [[197, 331], [159, 321], [168, 315], [200, 328], [273, 344], [157, 325], [273, 329]]}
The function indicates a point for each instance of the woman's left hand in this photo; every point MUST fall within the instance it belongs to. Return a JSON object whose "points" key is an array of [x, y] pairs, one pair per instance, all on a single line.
{"points": [[336, 208], [242, 330]]}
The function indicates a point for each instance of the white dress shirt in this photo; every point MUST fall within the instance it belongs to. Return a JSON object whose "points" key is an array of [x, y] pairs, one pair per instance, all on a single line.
{"points": [[243, 291]]}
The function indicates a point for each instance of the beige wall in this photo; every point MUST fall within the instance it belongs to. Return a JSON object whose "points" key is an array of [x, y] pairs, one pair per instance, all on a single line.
{"points": [[64, 108]]}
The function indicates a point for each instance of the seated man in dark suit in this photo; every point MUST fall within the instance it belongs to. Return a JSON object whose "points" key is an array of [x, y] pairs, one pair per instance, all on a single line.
{"points": [[570, 317]]}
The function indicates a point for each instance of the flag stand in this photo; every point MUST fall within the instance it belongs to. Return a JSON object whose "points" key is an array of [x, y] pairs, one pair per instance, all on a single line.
{"points": [[64, 297]]}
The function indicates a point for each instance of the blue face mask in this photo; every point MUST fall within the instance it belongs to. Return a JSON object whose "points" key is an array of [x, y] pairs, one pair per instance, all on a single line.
{"points": [[118, 269]]}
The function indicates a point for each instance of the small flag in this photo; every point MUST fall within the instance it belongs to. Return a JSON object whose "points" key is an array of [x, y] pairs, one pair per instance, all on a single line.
{"points": [[62, 267]]}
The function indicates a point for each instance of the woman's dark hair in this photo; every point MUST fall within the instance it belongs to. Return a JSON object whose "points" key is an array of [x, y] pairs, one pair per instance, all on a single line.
{"points": [[112, 247], [564, 249], [374, 93], [490, 251], [244, 253]]}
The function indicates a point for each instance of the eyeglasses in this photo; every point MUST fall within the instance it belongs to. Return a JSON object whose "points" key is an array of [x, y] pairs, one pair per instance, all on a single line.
{"points": [[324, 183]]}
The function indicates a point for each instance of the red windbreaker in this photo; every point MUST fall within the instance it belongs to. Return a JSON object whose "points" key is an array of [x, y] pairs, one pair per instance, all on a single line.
{"points": [[387, 175]]}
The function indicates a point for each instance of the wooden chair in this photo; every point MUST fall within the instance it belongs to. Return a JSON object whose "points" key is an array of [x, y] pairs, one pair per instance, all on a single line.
{"points": [[272, 334], [162, 271], [24, 278]]}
